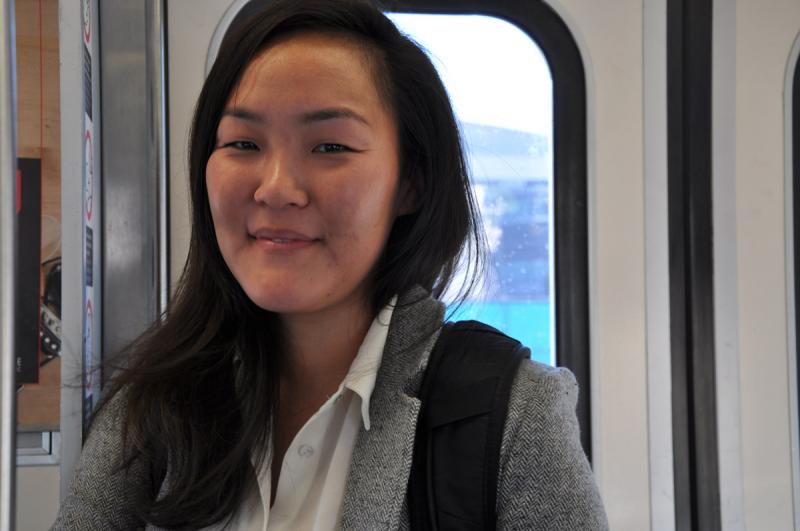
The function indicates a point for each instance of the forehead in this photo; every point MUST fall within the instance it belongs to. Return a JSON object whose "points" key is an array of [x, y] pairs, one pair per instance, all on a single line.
{"points": [[309, 66]]}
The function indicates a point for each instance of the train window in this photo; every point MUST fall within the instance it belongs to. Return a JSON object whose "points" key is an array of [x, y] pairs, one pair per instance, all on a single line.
{"points": [[502, 93]]}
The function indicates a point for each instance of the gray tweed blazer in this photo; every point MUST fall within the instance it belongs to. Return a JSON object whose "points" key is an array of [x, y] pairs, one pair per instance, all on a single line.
{"points": [[545, 482]]}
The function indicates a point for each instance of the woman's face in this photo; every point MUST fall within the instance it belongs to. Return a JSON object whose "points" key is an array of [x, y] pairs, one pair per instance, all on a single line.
{"points": [[303, 182]]}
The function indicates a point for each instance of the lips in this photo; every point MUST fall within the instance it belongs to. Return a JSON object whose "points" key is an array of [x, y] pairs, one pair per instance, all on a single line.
{"points": [[282, 239]]}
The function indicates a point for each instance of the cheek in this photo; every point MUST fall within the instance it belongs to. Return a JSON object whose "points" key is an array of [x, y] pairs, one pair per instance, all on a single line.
{"points": [[225, 195], [213, 186], [364, 212], [379, 204]]}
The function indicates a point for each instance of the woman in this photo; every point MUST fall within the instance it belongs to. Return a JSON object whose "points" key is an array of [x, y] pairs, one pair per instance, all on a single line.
{"points": [[330, 207]]}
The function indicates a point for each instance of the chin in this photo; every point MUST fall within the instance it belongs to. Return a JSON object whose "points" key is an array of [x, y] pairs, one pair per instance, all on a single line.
{"points": [[280, 300], [277, 304]]}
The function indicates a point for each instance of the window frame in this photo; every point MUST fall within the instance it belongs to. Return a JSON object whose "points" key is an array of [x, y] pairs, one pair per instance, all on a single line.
{"points": [[795, 154]]}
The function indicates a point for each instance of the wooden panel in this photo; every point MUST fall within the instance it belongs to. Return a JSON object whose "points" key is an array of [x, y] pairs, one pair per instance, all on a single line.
{"points": [[39, 134]]}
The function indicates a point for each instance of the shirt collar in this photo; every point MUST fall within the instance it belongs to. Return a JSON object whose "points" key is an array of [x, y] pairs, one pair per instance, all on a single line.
{"points": [[364, 370]]}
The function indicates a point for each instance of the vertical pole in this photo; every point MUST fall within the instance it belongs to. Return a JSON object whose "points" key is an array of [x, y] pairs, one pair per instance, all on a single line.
{"points": [[691, 256], [71, 35], [8, 199], [155, 56]]}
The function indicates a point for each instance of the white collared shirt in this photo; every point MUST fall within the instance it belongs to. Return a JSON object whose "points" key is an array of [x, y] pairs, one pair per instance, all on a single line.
{"points": [[314, 470]]}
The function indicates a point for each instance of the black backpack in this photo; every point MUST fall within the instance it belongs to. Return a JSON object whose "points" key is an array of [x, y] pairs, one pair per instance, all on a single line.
{"points": [[464, 394]]}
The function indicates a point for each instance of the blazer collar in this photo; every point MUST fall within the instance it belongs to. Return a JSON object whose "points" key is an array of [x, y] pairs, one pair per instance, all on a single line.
{"points": [[376, 485]]}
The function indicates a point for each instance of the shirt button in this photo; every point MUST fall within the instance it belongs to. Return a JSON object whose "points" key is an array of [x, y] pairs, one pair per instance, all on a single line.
{"points": [[305, 450]]}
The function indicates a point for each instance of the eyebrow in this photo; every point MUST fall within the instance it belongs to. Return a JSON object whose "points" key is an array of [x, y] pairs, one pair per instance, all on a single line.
{"points": [[243, 114], [321, 115], [332, 114]]}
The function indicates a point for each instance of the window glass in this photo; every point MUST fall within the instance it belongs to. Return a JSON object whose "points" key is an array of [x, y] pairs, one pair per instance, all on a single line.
{"points": [[501, 89]]}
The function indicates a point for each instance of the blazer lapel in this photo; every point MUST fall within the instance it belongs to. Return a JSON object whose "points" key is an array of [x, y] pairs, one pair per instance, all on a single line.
{"points": [[376, 485]]}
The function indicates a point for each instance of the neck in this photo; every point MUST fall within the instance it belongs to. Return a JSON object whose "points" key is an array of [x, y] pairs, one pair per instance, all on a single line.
{"points": [[322, 345]]}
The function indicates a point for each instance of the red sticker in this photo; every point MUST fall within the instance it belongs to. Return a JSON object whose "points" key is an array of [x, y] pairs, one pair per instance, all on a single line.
{"points": [[87, 21]]}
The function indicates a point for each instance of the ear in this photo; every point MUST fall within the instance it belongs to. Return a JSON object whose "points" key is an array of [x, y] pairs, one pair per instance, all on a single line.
{"points": [[407, 198]]}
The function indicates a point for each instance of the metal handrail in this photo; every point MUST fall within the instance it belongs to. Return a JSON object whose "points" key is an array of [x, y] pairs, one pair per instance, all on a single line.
{"points": [[155, 51], [8, 183]]}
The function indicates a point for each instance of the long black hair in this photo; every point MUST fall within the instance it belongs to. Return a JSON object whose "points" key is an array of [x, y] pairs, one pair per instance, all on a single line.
{"points": [[201, 384]]}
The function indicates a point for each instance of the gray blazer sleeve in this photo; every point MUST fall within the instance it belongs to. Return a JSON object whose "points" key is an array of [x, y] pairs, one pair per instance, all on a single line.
{"points": [[101, 495], [542, 463]]}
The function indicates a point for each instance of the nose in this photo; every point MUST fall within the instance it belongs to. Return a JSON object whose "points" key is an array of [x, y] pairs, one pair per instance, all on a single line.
{"points": [[280, 186]]}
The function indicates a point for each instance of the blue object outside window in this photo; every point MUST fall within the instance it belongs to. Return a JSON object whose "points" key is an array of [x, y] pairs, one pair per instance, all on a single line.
{"points": [[501, 88]]}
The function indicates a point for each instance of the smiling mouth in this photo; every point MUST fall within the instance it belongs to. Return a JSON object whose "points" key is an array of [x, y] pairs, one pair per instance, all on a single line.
{"points": [[283, 243]]}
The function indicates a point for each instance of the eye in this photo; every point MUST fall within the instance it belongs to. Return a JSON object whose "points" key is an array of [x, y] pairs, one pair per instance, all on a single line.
{"points": [[330, 148], [243, 145]]}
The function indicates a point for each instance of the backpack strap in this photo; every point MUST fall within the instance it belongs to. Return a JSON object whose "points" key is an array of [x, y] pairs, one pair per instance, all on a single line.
{"points": [[464, 394]]}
